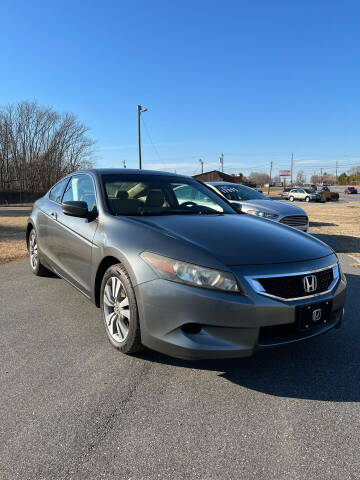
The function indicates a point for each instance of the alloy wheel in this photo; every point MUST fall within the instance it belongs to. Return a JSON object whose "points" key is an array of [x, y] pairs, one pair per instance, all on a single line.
{"points": [[33, 251], [116, 309]]}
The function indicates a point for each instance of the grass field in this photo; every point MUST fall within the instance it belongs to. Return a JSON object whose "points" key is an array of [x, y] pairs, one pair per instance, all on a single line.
{"points": [[12, 238], [335, 223]]}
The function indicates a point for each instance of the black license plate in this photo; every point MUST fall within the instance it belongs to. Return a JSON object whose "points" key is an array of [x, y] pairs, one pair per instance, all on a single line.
{"points": [[314, 315]]}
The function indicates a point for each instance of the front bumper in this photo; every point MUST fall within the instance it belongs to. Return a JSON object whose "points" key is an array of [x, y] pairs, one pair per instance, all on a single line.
{"points": [[225, 325]]}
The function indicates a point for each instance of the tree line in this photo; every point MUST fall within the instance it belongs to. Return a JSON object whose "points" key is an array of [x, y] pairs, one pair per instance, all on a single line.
{"points": [[351, 178], [38, 146]]}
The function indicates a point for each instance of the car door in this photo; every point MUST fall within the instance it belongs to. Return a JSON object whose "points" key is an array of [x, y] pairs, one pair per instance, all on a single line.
{"points": [[49, 207], [72, 245]]}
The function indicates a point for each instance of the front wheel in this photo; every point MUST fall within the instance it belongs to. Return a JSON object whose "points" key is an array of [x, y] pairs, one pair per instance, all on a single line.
{"points": [[36, 266], [119, 309], [307, 199], [291, 199]]}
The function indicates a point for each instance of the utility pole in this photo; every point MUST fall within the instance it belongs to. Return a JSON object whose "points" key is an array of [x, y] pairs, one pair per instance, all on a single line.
{"points": [[222, 162], [292, 168], [202, 165], [337, 165], [140, 110], [270, 177], [321, 176], [124, 163]]}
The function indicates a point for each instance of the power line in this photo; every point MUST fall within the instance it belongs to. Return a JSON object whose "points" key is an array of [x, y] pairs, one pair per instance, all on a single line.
{"points": [[151, 141]]}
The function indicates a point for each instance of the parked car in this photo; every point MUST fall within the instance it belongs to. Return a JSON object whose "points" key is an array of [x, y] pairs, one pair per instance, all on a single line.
{"points": [[304, 194], [327, 196], [310, 186], [248, 200], [351, 190], [285, 193], [182, 274]]}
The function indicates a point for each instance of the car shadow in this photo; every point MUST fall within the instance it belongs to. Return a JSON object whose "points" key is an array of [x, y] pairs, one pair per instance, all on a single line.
{"points": [[324, 368], [323, 224]]}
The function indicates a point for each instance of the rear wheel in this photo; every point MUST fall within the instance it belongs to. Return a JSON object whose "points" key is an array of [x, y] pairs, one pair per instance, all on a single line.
{"points": [[291, 199], [36, 266], [119, 309]]}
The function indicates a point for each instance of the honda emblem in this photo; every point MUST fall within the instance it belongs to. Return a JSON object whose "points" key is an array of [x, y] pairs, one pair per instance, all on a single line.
{"points": [[316, 315], [310, 283]]}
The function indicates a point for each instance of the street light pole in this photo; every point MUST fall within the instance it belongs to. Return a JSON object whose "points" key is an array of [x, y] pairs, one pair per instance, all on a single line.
{"points": [[222, 162], [140, 110], [202, 165], [271, 165]]}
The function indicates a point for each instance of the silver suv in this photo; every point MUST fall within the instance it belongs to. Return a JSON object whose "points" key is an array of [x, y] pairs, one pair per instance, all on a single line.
{"points": [[304, 194]]}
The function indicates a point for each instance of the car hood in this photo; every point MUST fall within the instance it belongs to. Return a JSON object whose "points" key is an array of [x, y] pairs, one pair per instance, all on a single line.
{"points": [[271, 206], [240, 239]]}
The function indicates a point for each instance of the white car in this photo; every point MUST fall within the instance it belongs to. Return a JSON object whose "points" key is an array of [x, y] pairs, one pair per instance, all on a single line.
{"points": [[305, 194], [249, 200]]}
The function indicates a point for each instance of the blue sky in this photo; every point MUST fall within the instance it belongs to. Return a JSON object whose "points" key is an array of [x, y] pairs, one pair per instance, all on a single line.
{"points": [[254, 79]]}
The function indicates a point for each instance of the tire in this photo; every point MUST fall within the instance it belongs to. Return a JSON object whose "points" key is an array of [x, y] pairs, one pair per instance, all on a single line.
{"points": [[36, 266], [307, 199], [291, 199], [119, 310]]}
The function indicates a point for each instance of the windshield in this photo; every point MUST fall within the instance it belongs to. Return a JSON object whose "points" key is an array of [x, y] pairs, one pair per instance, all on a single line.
{"points": [[240, 192], [133, 194]]}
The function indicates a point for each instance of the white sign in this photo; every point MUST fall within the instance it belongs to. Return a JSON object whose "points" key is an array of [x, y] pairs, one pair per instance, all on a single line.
{"points": [[284, 173]]}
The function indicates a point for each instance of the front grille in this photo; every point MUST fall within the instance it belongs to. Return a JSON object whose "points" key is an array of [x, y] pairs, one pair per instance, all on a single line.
{"points": [[295, 220], [293, 286]]}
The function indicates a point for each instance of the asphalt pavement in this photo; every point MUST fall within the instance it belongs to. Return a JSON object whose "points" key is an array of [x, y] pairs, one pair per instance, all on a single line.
{"points": [[343, 196], [75, 408], [15, 211]]}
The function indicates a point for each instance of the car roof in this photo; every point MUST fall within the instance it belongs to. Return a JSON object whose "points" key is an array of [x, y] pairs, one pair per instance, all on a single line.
{"points": [[131, 171], [227, 183]]}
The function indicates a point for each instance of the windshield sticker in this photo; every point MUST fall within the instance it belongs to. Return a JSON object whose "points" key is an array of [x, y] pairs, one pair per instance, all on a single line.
{"points": [[223, 188]]}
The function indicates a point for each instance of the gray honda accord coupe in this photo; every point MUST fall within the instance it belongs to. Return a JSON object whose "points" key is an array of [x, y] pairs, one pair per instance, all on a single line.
{"points": [[173, 267]]}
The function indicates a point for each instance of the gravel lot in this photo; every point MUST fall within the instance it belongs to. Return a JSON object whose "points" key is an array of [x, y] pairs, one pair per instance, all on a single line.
{"points": [[74, 408]]}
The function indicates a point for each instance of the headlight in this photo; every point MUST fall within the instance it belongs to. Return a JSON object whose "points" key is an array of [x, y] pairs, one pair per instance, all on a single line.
{"points": [[271, 216], [341, 273], [183, 272]]}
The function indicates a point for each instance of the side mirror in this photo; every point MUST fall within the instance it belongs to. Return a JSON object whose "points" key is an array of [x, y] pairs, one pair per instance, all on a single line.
{"points": [[75, 209]]}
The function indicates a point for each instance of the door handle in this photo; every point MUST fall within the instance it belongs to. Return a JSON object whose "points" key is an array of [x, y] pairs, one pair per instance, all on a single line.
{"points": [[54, 214]]}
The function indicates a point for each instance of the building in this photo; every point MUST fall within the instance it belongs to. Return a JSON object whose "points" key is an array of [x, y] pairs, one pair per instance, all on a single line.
{"points": [[217, 176]]}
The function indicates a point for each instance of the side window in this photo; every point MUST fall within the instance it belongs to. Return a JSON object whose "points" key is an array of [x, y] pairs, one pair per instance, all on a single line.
{"points": [[81, 188], [56, 192]]}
